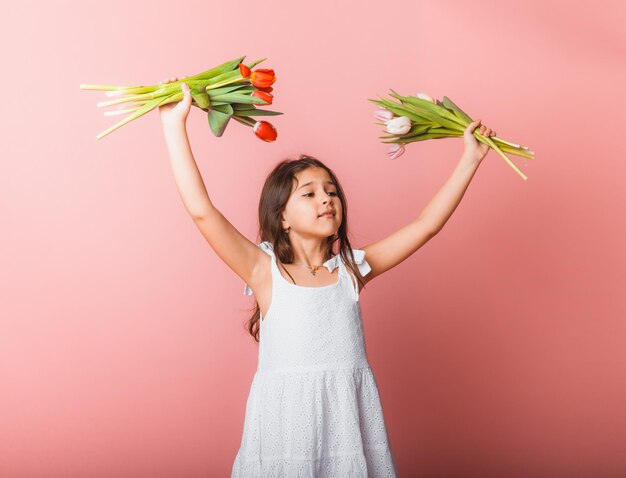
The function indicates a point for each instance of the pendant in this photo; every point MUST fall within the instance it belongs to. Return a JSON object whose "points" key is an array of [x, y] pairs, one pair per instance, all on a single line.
{"points": [[314, 269]]}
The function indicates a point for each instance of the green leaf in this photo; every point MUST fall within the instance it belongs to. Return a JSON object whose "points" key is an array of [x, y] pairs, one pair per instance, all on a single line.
{"points": [[230, 88], [200, 97], [432, 111], [255, 63], [402, 111], [227, 76], [241, 106], [218, 70], [226, 109], [417, 130], [237, 98], [254, 112], [219, 116], [447, 102]]}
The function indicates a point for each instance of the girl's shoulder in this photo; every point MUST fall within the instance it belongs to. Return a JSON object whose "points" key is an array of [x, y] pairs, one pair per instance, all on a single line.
{"points": [[267, 247]]}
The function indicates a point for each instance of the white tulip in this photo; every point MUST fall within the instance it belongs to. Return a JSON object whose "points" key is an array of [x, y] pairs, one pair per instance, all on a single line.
{"points": [[383, 114], [395, 150], [424, 96], [399, 125]]}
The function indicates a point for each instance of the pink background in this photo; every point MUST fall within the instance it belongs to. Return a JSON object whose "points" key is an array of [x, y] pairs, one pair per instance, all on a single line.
{"points": [[498, 347]]}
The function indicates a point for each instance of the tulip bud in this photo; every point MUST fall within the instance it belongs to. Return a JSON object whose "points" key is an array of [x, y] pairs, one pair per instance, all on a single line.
{"points": [[263, 96], [395, 150], [244, 70], [399, 125], [262, 77], [424, 96], [265, 131], [383, 114]]}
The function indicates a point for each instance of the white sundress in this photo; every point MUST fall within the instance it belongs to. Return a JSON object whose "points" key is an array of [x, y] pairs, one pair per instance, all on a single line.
{"points": [[314, 410]]}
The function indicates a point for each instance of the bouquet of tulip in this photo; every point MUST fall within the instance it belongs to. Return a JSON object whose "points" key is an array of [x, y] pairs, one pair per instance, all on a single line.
{"points": [[420, 117], [227, 91]]}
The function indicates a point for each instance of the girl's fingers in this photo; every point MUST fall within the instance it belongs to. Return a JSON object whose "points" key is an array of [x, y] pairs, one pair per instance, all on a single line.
{"points": [[170, 79], [472, 126]]}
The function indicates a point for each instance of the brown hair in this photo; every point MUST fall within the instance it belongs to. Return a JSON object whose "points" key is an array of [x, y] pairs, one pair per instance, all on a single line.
{"points": [[274, 197]]}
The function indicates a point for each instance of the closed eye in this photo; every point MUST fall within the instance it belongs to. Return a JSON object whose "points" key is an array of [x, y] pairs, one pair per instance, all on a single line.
{"points": [[332, 192]]}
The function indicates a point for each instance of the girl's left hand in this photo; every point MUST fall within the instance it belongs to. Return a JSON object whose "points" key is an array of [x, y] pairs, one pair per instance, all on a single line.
{"points": [[176, 113], [475, 151]]}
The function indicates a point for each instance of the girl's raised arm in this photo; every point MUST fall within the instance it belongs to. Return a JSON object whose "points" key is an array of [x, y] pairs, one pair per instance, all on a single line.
{"points": [[241, 255], [392, 250]]}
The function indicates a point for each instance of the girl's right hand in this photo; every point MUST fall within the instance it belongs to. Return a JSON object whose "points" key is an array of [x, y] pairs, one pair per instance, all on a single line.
{"points": [[475, 151], [176, 112]]}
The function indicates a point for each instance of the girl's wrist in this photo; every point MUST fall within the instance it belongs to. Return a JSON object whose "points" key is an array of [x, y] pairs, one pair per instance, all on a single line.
{"points": [[173, 125], [469, 161]]}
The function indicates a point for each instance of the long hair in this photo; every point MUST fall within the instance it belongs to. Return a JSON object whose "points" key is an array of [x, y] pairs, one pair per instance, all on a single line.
{"points": [[274, 197]]}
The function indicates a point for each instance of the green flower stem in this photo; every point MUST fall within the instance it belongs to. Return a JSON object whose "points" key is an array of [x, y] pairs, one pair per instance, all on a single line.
{"points": [[121, 112], [495, 138], [163, 90], [423, 137], [152, 92], [488, 141], [140, 112], [173, 98], [102, 87], [159, 90], [517, 152], [244, 120]]}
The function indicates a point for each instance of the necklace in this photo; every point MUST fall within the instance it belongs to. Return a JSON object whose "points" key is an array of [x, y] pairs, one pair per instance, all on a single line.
{"points": [[313, 268]]}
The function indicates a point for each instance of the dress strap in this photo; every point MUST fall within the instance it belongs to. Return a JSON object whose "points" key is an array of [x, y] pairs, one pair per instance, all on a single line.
{"points": [[267, 247], [361, 262], [362, 265]]}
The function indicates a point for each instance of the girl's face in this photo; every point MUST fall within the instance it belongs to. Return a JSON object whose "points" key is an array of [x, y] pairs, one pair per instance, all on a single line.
{"points": [[311, 197]]}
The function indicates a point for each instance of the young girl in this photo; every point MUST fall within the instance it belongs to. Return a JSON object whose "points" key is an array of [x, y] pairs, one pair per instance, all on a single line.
{"points": [[313, 408]]}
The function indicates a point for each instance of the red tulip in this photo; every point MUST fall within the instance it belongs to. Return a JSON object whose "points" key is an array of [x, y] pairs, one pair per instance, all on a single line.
{"points": [[262, 77], [263, 95], [267, 89], [265, 131], [244, 70]]}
